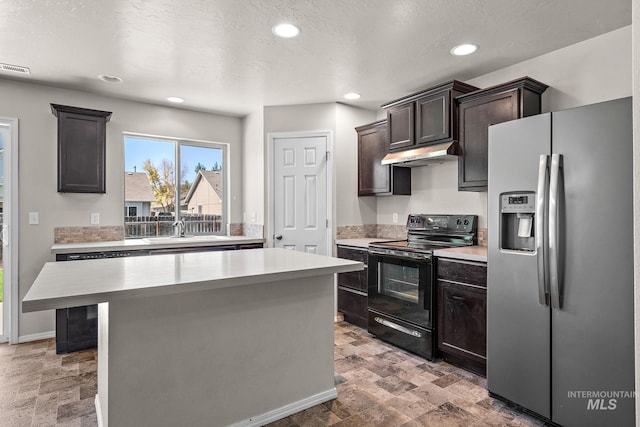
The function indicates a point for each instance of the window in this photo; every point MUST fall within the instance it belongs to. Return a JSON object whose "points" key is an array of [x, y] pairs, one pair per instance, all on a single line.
{"points": [[168, 180]]}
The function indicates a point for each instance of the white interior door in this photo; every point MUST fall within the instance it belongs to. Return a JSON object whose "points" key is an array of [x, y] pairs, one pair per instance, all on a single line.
{"points": [[300, 196]]}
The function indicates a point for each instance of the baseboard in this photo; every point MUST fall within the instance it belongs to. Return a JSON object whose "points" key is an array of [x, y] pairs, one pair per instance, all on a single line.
{"points": [[36, 337], [287, 410], [98, 411]]}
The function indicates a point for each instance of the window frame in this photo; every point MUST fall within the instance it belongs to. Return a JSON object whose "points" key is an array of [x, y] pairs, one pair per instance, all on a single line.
{"points": [[178, 143]]}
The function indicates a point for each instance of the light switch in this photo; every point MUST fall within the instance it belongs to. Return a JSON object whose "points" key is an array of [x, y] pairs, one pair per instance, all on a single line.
{"points": [[95, 218], [395, 217], [34, 218]]}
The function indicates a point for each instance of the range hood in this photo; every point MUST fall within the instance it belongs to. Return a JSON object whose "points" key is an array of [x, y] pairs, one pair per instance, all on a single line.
{"points": [[423, 156]]}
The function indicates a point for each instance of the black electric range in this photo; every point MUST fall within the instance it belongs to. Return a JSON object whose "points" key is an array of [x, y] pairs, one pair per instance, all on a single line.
{"points": [[401, 280]]}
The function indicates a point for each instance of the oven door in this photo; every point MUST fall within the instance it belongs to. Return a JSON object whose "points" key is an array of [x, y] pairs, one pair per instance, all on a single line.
{"points": [[402, 288]]}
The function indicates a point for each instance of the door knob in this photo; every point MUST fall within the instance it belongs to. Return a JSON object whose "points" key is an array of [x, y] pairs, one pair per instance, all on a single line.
{"points": [[278, 236]]}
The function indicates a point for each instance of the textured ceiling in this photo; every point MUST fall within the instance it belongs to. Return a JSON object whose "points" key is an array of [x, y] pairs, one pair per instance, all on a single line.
{"points": [[220, 55]]}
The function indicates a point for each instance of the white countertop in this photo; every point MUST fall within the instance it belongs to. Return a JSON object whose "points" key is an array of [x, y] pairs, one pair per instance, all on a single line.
{"points": [[468, 253], [363, 242], [153, 243], [70, 284]]}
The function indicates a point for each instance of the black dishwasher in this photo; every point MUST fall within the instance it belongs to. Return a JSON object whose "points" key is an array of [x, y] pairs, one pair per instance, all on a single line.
{"points": [[77, 327]]}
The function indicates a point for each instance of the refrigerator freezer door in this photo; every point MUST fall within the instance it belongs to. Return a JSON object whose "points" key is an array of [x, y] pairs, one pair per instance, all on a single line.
{"points": [[518, 340], [592, 334]]}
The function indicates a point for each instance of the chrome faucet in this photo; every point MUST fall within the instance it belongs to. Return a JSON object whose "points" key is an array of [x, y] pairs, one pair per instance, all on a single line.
{"points": [[179, 228]]}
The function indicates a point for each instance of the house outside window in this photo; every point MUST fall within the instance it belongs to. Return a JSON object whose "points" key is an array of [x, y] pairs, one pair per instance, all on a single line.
{"points": [[168, 180]]}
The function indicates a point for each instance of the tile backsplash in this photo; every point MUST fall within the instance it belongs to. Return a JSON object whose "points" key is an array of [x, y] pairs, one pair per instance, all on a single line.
{"points": [[253, 230], [87, 234], [391, 231], [371, 230], [235, 229], [482, 236]]}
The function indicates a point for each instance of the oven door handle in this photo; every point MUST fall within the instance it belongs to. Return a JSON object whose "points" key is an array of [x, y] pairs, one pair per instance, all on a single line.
{"points": [[397, 327]]}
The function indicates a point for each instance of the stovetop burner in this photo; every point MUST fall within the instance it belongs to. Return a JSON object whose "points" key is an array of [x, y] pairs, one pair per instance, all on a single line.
{"points": [[428, 232]]}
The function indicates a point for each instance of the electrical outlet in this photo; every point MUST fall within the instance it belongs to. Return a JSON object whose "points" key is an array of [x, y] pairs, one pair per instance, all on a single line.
{"points": [[95, 218], [395, 217], [34, 218]]}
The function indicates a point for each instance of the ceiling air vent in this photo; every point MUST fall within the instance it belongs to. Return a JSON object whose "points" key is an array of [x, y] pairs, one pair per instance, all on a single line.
{"points": [[15, 69]]}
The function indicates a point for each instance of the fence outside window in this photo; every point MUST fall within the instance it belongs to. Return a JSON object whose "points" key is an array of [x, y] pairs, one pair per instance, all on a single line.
{"points": [[162, 225]]}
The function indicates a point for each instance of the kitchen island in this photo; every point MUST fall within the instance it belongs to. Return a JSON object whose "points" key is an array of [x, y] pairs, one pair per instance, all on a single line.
{"points": [[215, 338]]}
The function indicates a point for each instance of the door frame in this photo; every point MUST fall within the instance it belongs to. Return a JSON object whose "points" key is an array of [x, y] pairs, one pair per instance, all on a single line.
{"points": [[10, 262], [271, 138]]}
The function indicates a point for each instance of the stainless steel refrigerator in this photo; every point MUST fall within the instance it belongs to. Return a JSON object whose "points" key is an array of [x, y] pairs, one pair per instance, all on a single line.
{"points": [[560, 265]]}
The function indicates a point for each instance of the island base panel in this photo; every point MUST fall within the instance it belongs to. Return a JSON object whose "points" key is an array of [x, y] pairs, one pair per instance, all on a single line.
{"points": [[217, 357]]}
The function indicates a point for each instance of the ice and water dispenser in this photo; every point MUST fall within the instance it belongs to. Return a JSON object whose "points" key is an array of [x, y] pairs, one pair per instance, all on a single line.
{"points": [[517, 221]]}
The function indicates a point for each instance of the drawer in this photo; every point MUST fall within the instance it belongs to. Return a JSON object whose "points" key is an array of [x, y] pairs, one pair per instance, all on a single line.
{"points": [[474, 273], [353, 306], [354, 279], [353, 254]]}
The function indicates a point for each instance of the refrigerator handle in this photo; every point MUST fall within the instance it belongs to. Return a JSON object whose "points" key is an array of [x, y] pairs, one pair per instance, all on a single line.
{"points": [[541, 243], [554, 219]]}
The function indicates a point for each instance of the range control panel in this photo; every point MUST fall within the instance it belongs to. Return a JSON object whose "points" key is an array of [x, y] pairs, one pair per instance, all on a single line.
{"points": [[457, 223]]}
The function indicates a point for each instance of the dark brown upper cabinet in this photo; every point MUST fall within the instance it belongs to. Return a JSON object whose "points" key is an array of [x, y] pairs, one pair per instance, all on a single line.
{"points": [[81, 149], [400, 119], [374, 178], [426, 117], [479, 110]]}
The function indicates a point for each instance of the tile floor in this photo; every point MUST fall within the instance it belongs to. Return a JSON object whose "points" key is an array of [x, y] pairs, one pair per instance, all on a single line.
{"points": [[40, 388], [378, 385], [381, 385]]}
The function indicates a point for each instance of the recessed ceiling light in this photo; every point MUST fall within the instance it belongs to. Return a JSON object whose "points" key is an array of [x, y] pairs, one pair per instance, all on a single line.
{"points": [[352, 95], [286, 30], [175, 99], [464, 49], [110, 79]]}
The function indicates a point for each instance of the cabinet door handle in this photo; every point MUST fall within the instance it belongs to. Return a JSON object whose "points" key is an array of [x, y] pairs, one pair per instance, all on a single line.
{"points": [[458, 298]]}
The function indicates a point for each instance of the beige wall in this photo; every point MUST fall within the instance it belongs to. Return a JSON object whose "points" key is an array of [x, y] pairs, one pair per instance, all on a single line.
{"points": [[38, 168], [594, 70], [254, 174], [349, 208]]}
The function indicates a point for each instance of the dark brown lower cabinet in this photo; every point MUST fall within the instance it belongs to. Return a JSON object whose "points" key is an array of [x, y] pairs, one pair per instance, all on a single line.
{"points": [[352, 287], [462, 313]]}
